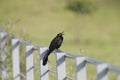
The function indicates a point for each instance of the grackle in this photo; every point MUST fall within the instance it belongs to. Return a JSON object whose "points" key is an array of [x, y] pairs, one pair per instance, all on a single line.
{"points": [[55, 44]]}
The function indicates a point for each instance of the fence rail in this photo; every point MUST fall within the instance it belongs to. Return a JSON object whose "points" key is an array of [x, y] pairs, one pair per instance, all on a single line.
{"points": [[102, 68]]}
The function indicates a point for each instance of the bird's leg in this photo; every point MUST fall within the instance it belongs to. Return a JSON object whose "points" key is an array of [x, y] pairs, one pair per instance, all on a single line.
{"points": [[57, 50]]}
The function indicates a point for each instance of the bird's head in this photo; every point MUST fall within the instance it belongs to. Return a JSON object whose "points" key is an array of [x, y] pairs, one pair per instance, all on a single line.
{"points": [[60, 34]]}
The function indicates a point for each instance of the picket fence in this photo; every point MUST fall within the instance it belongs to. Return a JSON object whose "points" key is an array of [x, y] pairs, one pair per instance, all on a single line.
{"points": [[102, 68]]}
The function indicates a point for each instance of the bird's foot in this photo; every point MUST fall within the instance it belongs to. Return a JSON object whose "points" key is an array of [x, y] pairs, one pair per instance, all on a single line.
{"points": [[57, 50]]}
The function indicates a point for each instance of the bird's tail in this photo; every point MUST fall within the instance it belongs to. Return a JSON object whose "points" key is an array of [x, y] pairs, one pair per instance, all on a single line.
{"points": [[45, 58]]}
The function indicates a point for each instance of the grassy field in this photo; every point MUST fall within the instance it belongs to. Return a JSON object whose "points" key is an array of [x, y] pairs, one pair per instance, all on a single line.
{"points": [[94, 35]]}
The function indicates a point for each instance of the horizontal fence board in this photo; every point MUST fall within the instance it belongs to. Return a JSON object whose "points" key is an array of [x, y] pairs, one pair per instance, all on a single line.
{"points": [[113, 68]]}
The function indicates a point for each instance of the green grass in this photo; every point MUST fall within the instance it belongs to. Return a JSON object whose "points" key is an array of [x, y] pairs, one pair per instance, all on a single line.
{"points": [[94, 35]]}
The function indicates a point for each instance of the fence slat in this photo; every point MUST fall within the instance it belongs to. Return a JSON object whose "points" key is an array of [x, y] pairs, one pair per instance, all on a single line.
{"points": [[15, 59], [29, 63], [43, 69], [61, 66], [102, 70], [80, 68], [3, 54], [118, 76]]}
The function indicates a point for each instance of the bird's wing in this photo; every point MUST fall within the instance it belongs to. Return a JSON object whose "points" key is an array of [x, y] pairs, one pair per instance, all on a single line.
{"points": [[59, 41], [55, 43]]}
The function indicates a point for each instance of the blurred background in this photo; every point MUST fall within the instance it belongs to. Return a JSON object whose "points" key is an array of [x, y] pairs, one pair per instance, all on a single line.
{"points": [[91, 27]]}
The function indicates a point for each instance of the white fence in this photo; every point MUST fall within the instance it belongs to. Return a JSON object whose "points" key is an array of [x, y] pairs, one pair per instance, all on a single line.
{"points": [[102, 68]]}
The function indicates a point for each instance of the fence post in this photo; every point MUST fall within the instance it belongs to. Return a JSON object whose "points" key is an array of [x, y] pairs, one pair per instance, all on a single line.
{"points": [[80, 68], [3, 54], [61, 66], [118, 76], [102, 70], [29, 63], [15, 59], [43, 69]]}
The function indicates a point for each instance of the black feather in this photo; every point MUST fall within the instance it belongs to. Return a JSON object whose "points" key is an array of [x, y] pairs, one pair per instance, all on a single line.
{"points": [[55, 44]]}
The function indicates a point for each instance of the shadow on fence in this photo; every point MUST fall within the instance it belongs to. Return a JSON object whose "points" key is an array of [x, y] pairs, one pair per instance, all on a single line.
{"points": [[102, 68]]}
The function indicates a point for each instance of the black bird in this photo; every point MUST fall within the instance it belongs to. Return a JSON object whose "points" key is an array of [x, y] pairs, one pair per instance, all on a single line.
{"points": [[55, 44]]}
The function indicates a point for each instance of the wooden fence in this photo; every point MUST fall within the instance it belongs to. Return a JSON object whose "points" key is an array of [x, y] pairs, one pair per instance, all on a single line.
{"points": [[102, 68]]}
